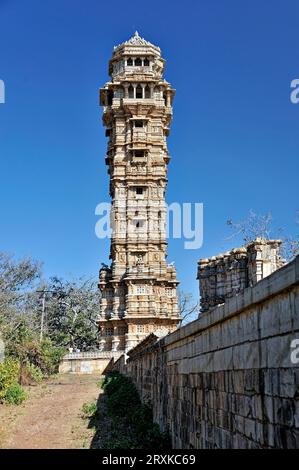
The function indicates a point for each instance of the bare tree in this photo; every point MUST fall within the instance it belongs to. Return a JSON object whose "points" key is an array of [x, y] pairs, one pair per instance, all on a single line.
{"points": [[188, 307], [290, 244], [254, 226], [260, 226]]}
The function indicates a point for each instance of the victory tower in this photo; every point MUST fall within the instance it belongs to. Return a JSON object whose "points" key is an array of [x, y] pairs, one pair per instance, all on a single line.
{"points": [[139, 289]]}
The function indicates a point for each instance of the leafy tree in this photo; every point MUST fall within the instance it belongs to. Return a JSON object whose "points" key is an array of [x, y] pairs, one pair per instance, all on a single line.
{"points": [[24, 345], [71, 308], [71, 312]]}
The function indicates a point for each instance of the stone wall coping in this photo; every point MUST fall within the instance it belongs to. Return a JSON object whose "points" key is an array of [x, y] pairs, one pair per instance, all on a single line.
{"points": [[89, 355], [276, 282], [120, 361], [238, 251]]}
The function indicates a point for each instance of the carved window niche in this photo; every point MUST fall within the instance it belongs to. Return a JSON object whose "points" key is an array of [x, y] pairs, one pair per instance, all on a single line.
{"points": [[139, 228], [108, 294], [139, 131], [139, 224], [140, 192], [140, 328], [169, 292], [147, 92], [139, 155], [158, 131], [119, 93], [109, 331], [141, 290], [139, 258], [139, 92], [157, 93], [131, 91], [122, 330], [110, 97], [138, 158]]}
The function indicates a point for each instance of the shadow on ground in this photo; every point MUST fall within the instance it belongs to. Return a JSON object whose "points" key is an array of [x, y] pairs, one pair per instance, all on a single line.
{"points": [[122, 421]]}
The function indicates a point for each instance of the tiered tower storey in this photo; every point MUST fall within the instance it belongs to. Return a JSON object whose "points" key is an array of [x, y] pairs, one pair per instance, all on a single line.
{"points": [[139, 288]]}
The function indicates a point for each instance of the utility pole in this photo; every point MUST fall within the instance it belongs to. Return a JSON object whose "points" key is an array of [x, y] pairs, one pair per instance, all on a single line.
{"points": [[42, 323], [43, 316]]}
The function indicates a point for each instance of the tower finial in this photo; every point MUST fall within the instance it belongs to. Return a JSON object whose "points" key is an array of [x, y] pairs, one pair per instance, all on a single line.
{"points": [[137, 40]]}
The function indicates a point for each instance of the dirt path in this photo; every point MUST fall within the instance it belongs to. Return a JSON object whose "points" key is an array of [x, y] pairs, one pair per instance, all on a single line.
{"points": [[51, 418]]}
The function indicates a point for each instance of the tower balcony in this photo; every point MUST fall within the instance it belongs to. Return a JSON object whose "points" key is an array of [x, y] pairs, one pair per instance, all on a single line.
{"points": [[154, 101], [135, 70], [138, 136], [142, 272], [131, 104]]}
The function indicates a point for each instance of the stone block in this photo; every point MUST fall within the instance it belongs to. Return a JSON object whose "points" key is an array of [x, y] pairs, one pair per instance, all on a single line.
{"points": [[239, 424], [269, 434], [223, 359], [287, 386], [246, 356], [252, 383], [249, 428], [269, 409], [259, 431], [283, 411], [257, 407], [296, 413], [239, 381], [240, 442], [199, 396]]}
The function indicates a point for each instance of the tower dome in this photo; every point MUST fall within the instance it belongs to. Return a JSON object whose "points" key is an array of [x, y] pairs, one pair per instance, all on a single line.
{"points": [[136, 40]]}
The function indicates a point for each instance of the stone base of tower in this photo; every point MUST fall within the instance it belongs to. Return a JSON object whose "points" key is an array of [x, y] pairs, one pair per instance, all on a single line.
{"points": [[119, 336], [135, 306]]}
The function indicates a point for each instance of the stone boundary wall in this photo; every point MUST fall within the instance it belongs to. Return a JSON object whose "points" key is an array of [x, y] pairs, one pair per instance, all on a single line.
{"points": [[226, 380], [86, 362]]}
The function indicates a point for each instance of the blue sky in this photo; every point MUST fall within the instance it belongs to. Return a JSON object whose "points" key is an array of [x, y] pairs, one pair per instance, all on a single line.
{"points": [[234, 137]]}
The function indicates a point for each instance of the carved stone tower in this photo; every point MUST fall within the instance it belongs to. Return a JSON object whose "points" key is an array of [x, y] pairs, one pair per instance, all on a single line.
{"points": [[139, 289]]}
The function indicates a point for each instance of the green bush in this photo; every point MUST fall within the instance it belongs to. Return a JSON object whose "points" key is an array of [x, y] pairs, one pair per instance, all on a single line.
{"points": [[122, 395], [23, 344], [132, 420], [119, 442], [15, 394], [89, 409], [9, 375], [101, 382], [49, 357], [148, 433], [34, 373]]}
